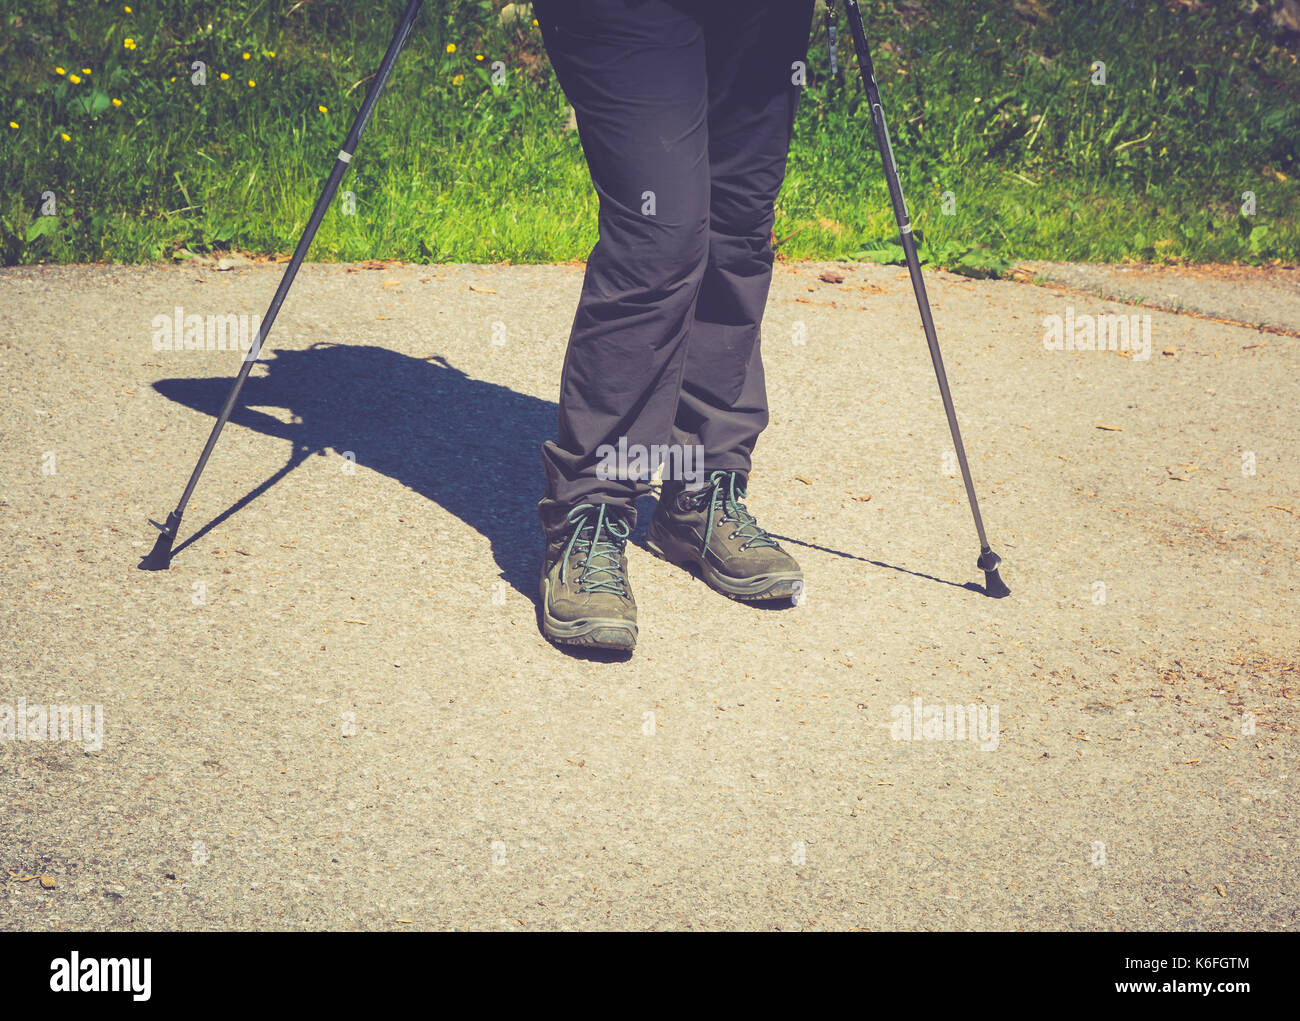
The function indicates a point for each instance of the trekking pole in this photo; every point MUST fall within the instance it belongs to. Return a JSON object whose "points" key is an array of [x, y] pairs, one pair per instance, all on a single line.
{"points": [[988, 560], [159, 558]]}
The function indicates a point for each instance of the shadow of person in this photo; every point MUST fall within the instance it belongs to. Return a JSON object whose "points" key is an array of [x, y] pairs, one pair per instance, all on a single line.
{"points": [[468, 445]]}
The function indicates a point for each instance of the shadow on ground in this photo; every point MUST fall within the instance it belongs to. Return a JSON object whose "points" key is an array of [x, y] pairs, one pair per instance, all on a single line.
{"points": [[468, 445]]}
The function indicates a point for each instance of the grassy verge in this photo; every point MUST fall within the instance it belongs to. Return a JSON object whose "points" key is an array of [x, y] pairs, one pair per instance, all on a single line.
{"points": [[181, 127]]}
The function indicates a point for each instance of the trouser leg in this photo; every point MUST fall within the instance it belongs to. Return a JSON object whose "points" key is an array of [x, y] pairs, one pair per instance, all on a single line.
{"points": [[636, 76], [754, 53]]}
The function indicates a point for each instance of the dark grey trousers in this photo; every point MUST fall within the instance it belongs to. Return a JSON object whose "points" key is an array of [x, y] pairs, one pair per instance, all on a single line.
{"points": [[684, 110]]}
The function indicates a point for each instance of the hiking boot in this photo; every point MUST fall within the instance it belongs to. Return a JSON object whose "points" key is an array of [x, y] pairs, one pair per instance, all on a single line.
{"points": [[709, 530], [586, 597]]}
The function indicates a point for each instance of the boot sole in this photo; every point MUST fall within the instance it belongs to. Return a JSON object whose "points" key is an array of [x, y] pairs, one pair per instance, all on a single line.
{"points": [[591, 632], [759, 589]]}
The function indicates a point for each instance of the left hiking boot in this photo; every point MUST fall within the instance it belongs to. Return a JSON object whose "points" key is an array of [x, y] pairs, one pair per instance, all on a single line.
{"points": [[708, 530], [586, 596]]}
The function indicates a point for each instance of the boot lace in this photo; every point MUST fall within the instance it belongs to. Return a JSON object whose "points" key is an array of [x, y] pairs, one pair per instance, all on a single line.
{"points": [[600, 537], [722, 494]]}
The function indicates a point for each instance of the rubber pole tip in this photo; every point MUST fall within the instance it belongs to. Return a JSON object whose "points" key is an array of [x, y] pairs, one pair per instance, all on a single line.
{"points": [[989, 562], [994, 586], [160, 557]]}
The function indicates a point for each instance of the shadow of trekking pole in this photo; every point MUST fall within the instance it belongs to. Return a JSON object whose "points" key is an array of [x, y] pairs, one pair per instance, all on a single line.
{"points": [[467, 445]]}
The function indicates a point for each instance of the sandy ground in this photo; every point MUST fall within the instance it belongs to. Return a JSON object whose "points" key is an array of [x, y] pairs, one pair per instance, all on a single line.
{"points": [[336, 709]]}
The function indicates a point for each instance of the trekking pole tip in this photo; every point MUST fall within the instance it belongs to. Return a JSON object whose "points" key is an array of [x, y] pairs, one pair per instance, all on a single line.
{"points": [[160, 557], [994, 586]]}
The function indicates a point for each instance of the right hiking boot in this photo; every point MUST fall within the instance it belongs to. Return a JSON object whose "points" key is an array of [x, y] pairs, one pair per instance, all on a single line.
{"points": [[709, 532], [586, 596]]}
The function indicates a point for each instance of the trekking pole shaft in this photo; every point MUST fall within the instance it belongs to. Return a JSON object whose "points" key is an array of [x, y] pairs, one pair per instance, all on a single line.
{"points": [[868, 71], [304, 243]]}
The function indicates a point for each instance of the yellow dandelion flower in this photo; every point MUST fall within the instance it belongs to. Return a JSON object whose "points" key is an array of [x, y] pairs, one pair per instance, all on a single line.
{"points": [[65, 136], [14, 125], [85, 70], [59, 70], [451, 47], [129, 43], [458, 79], [225, 77], [117, 102], [534, 23], [323, 109], [247, 56], [252, 84], [270, 53], [478, 56], [75, 79], [128, 10]]}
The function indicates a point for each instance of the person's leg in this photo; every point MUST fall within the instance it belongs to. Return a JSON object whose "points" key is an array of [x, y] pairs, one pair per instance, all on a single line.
{"points": [[753, 54], [635, 74], [753, 47]]}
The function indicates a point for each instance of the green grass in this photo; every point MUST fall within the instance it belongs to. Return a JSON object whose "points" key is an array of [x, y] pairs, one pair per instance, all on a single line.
{"points": [[984, 103]]}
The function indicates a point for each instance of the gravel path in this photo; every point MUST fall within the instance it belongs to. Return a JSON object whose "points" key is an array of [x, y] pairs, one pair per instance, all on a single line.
{"points": [[336, 709]]}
